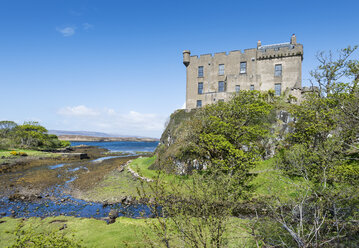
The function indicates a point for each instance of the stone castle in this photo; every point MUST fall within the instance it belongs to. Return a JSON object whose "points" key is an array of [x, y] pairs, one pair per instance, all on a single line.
{"points": [[212, 78]]}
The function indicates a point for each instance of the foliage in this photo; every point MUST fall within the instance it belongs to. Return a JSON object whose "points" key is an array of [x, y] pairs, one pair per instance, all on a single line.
{"points": [[225, 135], [322, 151], [29, 135], [200, 218], [15, 153], [220, 143], [6, 127], [28, 238]]}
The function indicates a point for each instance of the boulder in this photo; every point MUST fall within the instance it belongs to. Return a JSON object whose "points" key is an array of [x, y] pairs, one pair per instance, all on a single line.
{"points": [[112, 216]]}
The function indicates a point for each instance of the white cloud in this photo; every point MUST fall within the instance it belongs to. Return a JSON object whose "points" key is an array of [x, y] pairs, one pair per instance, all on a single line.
{"points": [[110, 121], [183, 106], [87, 26], [67, 31], [80, 110]]}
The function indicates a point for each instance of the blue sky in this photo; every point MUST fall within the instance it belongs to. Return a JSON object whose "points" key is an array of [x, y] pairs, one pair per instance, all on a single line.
{"points": [[116, 66]]}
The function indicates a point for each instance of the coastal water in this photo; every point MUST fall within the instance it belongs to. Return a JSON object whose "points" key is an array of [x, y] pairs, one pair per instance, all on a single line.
{"points": [[54, 200], [121, 146]]}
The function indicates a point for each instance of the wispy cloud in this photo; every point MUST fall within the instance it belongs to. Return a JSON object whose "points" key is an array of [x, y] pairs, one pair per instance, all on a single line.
{"points": [[80, 110], [66, 31], [87, 26], [75, 13], [112, 121]]}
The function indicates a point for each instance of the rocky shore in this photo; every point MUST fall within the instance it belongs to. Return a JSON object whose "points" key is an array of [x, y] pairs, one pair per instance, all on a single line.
{"points": [[71, 182]]}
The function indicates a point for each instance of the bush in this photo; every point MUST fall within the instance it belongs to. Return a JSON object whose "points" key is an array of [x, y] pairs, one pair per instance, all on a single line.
{"points": [[15, 153], [65, 143], [28, 238]]}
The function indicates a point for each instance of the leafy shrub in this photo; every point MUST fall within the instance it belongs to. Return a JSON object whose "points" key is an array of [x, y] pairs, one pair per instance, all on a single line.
{"points": [[30, 239], [65, 143], [15, 153]]}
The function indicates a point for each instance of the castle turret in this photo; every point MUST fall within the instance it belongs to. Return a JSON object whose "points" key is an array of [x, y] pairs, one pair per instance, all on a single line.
{"points": [[293, 40], [259, 44], [186, 57]]}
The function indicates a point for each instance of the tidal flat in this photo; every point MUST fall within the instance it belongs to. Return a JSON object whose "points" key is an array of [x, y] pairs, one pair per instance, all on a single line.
{"points": [[65, 185]]}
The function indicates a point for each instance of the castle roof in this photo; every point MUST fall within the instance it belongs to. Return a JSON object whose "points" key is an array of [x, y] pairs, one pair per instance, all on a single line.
{"points": [[276, 46]]}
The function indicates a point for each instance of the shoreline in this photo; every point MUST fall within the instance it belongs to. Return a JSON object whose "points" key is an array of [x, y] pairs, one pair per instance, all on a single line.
{"points": [[61, 179], [82, 138]]}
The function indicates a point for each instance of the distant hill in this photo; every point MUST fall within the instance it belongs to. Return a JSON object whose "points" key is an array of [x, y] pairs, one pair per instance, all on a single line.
{"points": [[104, 139], [93, 134]]}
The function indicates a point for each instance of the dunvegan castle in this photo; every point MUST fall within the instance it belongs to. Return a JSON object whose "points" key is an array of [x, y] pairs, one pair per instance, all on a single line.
{"points": [[212, 78]]}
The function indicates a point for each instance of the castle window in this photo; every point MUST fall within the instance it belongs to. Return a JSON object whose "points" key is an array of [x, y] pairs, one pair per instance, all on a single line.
{"points": [[238, 88], [199, 103], [221, 87], [278, 70], [200, 71], [278, 89], [221, 69], [252, 87], [200, 88], [243, 67]]}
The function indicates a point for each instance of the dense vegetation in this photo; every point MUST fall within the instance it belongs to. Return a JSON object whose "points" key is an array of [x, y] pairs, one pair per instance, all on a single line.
{"points": [[220, 146], [30, 135]]}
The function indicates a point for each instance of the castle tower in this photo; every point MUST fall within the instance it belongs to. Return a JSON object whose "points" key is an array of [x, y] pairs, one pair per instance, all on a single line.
{"points": [[186, 57]]}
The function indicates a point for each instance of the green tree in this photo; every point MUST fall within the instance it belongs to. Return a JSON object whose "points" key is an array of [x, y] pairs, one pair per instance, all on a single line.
{"points": [[227, 135], [324, 212]]}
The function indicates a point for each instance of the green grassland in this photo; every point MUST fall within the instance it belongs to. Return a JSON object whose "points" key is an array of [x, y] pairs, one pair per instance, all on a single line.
{"points": [[6, 156], [125, 232], [117, 184], [35, 153], [268, 181], [88, 232], [113, 187]]}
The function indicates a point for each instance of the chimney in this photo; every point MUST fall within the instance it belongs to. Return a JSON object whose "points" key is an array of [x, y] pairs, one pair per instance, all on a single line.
{"points": [[293, 40], [259, 44]]}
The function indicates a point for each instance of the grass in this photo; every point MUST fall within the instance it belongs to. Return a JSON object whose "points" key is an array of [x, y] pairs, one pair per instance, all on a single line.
{"points": [[169, 181], [117, 184], [114, 186], [141, 166], [6, 153], [271, 182], [268, 182], [125, 232], [90, 232]]}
